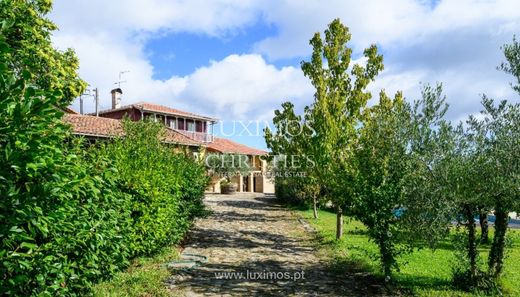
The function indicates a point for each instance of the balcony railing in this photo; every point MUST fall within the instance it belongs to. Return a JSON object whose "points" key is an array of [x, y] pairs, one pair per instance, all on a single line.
{"points": [[198, 136]]}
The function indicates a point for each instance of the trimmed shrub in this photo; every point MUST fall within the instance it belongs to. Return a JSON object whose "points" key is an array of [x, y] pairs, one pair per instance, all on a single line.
{"points": [[165, 183], [62, 218], [72, 215]]}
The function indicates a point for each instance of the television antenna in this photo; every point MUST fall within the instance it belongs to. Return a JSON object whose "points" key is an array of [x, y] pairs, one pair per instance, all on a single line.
{"points": [[120, 81]]}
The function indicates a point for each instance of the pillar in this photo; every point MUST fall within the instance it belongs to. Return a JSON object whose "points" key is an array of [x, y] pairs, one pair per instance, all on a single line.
{"points": [[240, 183], [250, 182]]}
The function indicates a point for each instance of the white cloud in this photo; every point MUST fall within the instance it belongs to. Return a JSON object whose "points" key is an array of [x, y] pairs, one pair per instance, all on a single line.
{"points": [[455, 42], [237, 87], [134, 16], [245, 86], [389, 23]]}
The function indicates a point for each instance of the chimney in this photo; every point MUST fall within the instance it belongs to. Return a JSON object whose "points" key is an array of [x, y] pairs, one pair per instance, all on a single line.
{"points": [[116, 98]]}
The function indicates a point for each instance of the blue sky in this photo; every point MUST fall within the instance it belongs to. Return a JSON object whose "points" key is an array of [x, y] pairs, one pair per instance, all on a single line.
{"points": [[239, 60], [182, 53]]}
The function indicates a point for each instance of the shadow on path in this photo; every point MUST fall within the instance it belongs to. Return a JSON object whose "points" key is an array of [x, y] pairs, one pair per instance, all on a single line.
{"points": [[257, 248]]}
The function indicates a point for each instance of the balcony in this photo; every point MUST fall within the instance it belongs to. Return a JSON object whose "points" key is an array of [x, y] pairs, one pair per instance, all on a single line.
{"points": [[198, 136]]}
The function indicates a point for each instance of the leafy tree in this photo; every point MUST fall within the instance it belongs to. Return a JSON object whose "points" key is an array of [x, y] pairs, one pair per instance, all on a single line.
{"points": [[499, 131], [428, 213], [497, 135], [336, 112], [69, 215], [27, 32], [381, 160], [464, 184], [288, 145]]}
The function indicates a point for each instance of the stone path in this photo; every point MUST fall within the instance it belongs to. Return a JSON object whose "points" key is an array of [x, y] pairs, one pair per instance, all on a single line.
{"points": [[257, 248]]}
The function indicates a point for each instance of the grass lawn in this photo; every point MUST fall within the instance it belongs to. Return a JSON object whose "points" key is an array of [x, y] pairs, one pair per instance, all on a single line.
{"points": [[424, 272], [144, 277]]}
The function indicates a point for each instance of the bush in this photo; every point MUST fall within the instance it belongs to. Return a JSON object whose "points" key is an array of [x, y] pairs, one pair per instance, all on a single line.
{"points": [[62, 218], [165, 184], [70, 216], [288, 190]]}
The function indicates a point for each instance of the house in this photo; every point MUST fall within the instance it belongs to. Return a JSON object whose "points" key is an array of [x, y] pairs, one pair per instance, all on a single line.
{"points": [[185, 129]]}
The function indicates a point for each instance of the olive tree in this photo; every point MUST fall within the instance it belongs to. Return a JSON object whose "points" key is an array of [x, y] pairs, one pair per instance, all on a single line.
{"points": [[498, 128], [498, 131], [381, 162], [428, 213], [464, 184]]}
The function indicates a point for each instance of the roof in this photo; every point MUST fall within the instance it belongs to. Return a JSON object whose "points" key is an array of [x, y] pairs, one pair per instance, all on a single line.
{"points": [[145, 106], [105, 127], [223, 145]]}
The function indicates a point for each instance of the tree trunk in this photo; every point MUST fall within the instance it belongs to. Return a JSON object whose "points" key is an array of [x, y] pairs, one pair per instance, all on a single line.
{"points": [[387, 258], [472, 240], [496, 254], [315, 207], [339, 223], [484, 226]]}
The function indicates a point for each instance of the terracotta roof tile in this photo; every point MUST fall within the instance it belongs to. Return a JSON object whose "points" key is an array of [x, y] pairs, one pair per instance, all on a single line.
{"points": [[106, 127], [158, 108], [223, 145], [94, 126]]}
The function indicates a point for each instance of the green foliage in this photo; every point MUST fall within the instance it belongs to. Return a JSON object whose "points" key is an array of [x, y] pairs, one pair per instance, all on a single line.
{"points": [[166, 187], [465, 277], [498, 133], [381, 165], [27, 32], [70, 216], [402, 169], [62, 219], [428, 214], [423, 272], [144, 277], [512, 63], [328, 131], [289, 145], [336, 112]]}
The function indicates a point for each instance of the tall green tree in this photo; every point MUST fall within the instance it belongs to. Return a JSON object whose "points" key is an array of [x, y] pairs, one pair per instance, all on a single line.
{"points": [[336, 113], [464, 184], [428, 213], [27, 32], [498, 131], [498, 128], [381, 161]]}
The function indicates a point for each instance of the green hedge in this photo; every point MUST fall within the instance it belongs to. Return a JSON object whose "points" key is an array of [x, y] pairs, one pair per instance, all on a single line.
{"points": [[165, 184], [71, 214]]}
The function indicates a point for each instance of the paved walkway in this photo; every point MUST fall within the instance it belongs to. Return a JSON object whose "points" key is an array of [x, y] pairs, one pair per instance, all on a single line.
{"points": [[257, 248]]}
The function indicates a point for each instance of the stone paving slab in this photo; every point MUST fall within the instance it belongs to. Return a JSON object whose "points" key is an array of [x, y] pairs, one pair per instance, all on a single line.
{"points": [[258, 248]]}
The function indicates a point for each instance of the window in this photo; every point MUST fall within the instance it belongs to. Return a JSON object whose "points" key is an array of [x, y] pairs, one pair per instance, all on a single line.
{"points": [[191, 126], [173, 123]]}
